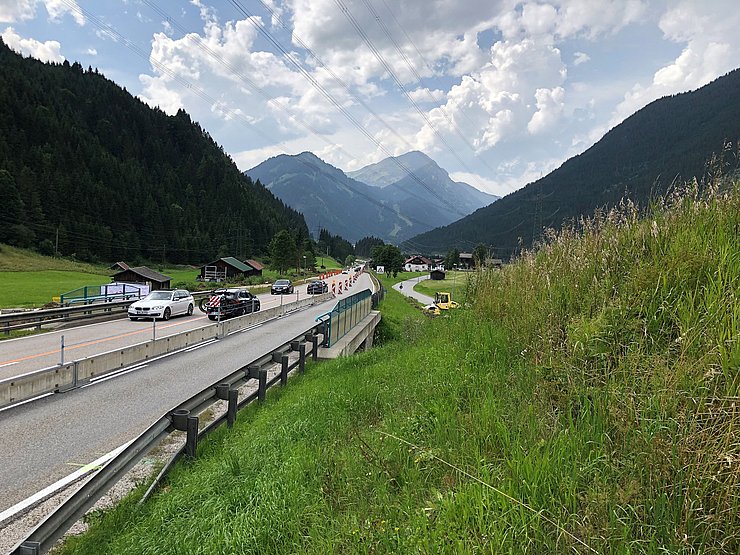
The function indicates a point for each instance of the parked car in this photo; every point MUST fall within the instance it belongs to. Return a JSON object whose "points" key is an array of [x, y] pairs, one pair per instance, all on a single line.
{"points": [[317, 287], [281, 286], [225, 303], [162, 304]]}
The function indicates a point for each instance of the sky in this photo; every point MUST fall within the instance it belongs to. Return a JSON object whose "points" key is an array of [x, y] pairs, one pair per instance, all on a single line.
{"points": [[497, 92]]}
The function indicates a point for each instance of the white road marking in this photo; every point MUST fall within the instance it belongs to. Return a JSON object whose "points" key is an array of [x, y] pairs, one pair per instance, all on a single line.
{"points": [[8, 364], [61, 484]]}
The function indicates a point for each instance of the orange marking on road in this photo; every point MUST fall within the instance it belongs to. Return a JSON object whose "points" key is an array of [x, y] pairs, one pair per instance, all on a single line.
{"points": [[96, 341]]}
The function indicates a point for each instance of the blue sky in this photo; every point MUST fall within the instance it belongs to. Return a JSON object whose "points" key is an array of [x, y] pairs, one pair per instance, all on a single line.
{"points": [[498, 92]]}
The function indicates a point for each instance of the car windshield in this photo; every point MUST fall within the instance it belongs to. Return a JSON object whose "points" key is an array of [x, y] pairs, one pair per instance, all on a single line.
{"points": [[282, 282], [159, 296]]}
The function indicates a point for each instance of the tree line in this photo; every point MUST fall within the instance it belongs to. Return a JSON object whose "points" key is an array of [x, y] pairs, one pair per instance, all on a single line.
{"points": [[86, 169]]}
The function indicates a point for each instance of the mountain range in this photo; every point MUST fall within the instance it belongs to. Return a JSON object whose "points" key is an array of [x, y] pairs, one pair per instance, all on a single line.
{"points": [[666, 142], [393, 199]]}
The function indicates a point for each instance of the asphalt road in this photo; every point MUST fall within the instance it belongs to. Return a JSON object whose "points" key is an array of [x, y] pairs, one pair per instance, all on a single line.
{"points": [[407, 288], [26, 354], [48, 439]]}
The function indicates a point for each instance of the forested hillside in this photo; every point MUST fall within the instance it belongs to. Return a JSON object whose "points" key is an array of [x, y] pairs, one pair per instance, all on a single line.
{"points": [[667, 142], [84, 163]]}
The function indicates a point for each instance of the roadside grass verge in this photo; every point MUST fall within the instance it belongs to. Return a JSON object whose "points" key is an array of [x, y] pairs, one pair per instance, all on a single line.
{"points": [[36, 288], [585, 402], [454, 282]]}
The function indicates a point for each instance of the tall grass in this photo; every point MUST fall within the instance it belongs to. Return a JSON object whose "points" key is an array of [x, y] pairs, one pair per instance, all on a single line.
{"points": [[586, 402], [638, 320]]}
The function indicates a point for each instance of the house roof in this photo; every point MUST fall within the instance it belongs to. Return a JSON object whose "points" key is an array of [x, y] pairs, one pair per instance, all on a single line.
{"points": [[418, 260], [147, 273], [119, 266], [254, 264], [233, 262], [466, 255]]}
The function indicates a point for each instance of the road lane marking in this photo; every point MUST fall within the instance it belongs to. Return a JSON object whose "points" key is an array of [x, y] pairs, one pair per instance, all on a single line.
{"points": [[89, 343], [48, 491], [8, 364], [196, 347]]}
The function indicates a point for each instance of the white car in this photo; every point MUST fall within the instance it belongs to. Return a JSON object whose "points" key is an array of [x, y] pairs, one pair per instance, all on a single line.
{"points": [[162, 304]]}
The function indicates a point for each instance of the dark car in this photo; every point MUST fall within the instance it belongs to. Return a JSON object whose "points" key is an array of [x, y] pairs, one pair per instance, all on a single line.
{"points": [[281, 287], [225, 303], [317, 287]]}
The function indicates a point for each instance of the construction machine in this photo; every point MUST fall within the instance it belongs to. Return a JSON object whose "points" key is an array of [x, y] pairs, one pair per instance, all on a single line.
{"points": [[444, 301]]}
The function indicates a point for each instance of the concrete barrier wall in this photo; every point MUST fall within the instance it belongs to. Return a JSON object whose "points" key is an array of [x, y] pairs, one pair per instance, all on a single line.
{"points": [[33, 384], [60, 378]]}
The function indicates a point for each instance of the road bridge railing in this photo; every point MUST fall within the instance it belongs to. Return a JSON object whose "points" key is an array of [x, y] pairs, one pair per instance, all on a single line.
{"points": [[345, 315], [232, 388], [73, 374], [28, 319]]}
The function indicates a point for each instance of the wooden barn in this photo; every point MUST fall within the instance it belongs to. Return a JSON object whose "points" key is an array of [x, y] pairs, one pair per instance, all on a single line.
{"points": [[142, 274], [437, 274], [229, 267]]}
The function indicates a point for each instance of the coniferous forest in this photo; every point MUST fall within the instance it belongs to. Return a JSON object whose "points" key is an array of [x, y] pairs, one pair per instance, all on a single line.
{"points": [[87, 169]]}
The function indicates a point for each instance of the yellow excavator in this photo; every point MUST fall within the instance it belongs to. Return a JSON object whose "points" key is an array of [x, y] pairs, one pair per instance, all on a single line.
{"points": [[444, 301]]}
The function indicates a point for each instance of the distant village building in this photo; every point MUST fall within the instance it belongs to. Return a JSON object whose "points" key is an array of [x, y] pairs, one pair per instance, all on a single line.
{"points": [[229, 267], [417, 264], [142, 274], [466, 261], [437, 274]]}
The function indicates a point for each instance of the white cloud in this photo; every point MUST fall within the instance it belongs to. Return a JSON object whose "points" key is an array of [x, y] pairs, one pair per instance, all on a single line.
{"points": [[156, 93], [497, 101], [17, 10], [58, 8], [569, 18], [92, 52], [712, 42], [580, 58], [425, 95], [549, 108], [49, 51]]}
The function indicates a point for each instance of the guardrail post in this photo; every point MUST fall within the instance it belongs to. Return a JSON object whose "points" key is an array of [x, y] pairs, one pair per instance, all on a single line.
{"points": [[29, 548], [301, 357], [226, 393], [315, 347], [284, 370], [262, 390], [191, 442], [231, 411]]}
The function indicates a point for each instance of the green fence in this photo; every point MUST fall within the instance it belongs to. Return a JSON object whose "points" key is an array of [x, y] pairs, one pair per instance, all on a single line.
{"points": [[106, 292], [345, 315]]}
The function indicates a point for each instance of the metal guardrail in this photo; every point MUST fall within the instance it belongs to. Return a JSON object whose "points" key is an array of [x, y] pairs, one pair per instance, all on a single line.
{"points": [[181, 418], [345, 315], [36, 318], [73, 374]]}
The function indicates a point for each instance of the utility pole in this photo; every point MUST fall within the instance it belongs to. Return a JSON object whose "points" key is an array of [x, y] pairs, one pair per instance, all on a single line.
{"points": [[56, 244]]}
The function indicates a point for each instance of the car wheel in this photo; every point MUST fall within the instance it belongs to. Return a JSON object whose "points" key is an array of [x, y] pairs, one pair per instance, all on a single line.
{"points": [[166, 314], [133, 319], [190, 310], [211, 317]]}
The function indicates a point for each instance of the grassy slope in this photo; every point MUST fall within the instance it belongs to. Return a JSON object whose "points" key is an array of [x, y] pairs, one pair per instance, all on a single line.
{"points": [[28, 279], [454, 282], [587, 401]]}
